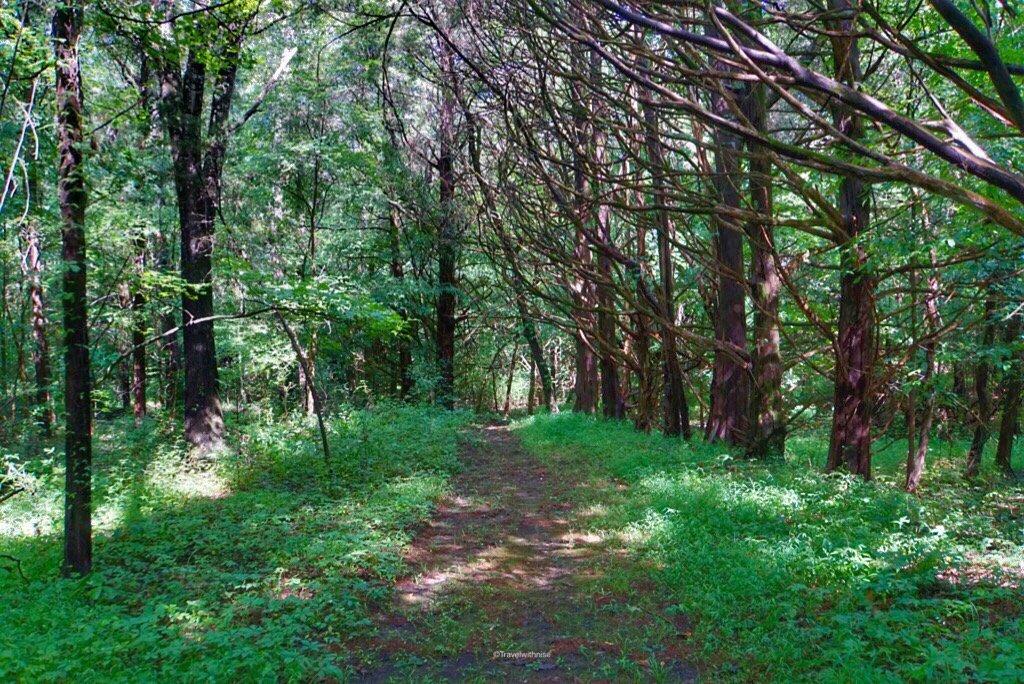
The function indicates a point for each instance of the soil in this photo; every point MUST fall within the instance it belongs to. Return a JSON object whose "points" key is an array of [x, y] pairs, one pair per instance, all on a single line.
{"points": [[499, 588]]}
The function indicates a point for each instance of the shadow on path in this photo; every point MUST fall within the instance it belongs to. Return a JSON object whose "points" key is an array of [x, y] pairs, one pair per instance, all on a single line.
{"points": [[499, 591]]}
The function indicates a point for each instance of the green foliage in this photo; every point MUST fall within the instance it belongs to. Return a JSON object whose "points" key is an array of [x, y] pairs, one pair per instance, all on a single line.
{"points": [[791, 574], [262, 568]]}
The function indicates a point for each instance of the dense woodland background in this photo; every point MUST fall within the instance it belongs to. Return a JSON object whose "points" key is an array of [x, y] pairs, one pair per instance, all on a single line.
{"points": [[305, 240]]}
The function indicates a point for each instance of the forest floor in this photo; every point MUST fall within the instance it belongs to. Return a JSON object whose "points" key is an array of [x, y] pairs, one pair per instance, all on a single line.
{"points": [[501, 586], [436, 547]]}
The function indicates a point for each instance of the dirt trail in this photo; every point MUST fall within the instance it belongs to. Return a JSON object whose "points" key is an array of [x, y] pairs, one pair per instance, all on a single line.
{"points": [[496, 588]]}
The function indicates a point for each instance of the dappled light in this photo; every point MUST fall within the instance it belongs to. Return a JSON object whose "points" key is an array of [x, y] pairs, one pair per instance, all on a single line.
{"points": [[511, 340]]}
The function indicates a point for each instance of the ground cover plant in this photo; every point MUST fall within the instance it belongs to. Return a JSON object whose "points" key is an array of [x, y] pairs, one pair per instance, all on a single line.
{"points": [[789, 574], [261, 567]]}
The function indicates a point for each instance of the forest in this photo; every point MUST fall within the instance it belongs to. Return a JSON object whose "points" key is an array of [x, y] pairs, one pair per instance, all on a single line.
{"points": [[511, 340]]}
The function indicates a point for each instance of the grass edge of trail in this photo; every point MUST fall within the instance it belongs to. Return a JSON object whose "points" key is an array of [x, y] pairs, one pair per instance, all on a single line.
{"points": [[788, 573], [256, 569]]}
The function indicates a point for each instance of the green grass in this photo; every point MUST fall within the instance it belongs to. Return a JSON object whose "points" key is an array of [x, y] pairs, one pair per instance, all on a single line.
{"points": [[262, 568], [791, 574]]}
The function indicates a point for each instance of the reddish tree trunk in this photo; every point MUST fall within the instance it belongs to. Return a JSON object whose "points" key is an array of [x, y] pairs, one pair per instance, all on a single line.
{"points": [[583, 289], [612, 405], [646, 404], [850, 443], [730, 384]]}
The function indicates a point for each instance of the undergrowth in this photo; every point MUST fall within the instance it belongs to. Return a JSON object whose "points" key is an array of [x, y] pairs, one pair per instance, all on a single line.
{"points": [[262, 567], [788, 573]]}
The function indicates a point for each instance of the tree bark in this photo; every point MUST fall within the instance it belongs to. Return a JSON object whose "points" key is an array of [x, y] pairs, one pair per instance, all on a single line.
{"points": [[170, 352], [32, 267], [917, 451], [983, 410], [531, 394], [447, 238], [646, 404], [139, 336], [583, 288], [675, 410], [508, 383], [405, 382], [730, 386], [71, 197], [612, 405], [532, 337], [1013, 384], [198, 168], [850, 442], [767, 439]]}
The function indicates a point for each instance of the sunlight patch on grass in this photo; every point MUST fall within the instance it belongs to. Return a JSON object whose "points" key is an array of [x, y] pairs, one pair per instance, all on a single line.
{"points": [[260, 568], [788, 572]]}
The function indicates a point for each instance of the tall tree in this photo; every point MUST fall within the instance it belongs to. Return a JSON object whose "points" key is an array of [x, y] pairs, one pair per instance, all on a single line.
{"points": [[982, 391], [186, 70], [32, 267], [1013, 384], [447, 229], [138, 331], [850, 442], [767, 438], [71, 197], [675, 411], [612, 405], [730, 385], [584, 290]]}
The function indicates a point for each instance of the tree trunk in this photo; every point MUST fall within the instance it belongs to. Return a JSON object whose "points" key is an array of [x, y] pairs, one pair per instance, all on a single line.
{"points": [[204, 424], [612, 405], [850, 442], [583, 289], [1012, 386], [170, 352], [983, 411], [767, 437], [675, 411], [585, 390], [71, 197], [139, 336], [531, 394], [508, 384], [730, 384], [307, 377], [447, 238], [398, 273], [532, 338], [645, 407], [32, 267], [918, 451], [198, 168], [124, 365], [307, 366]]}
